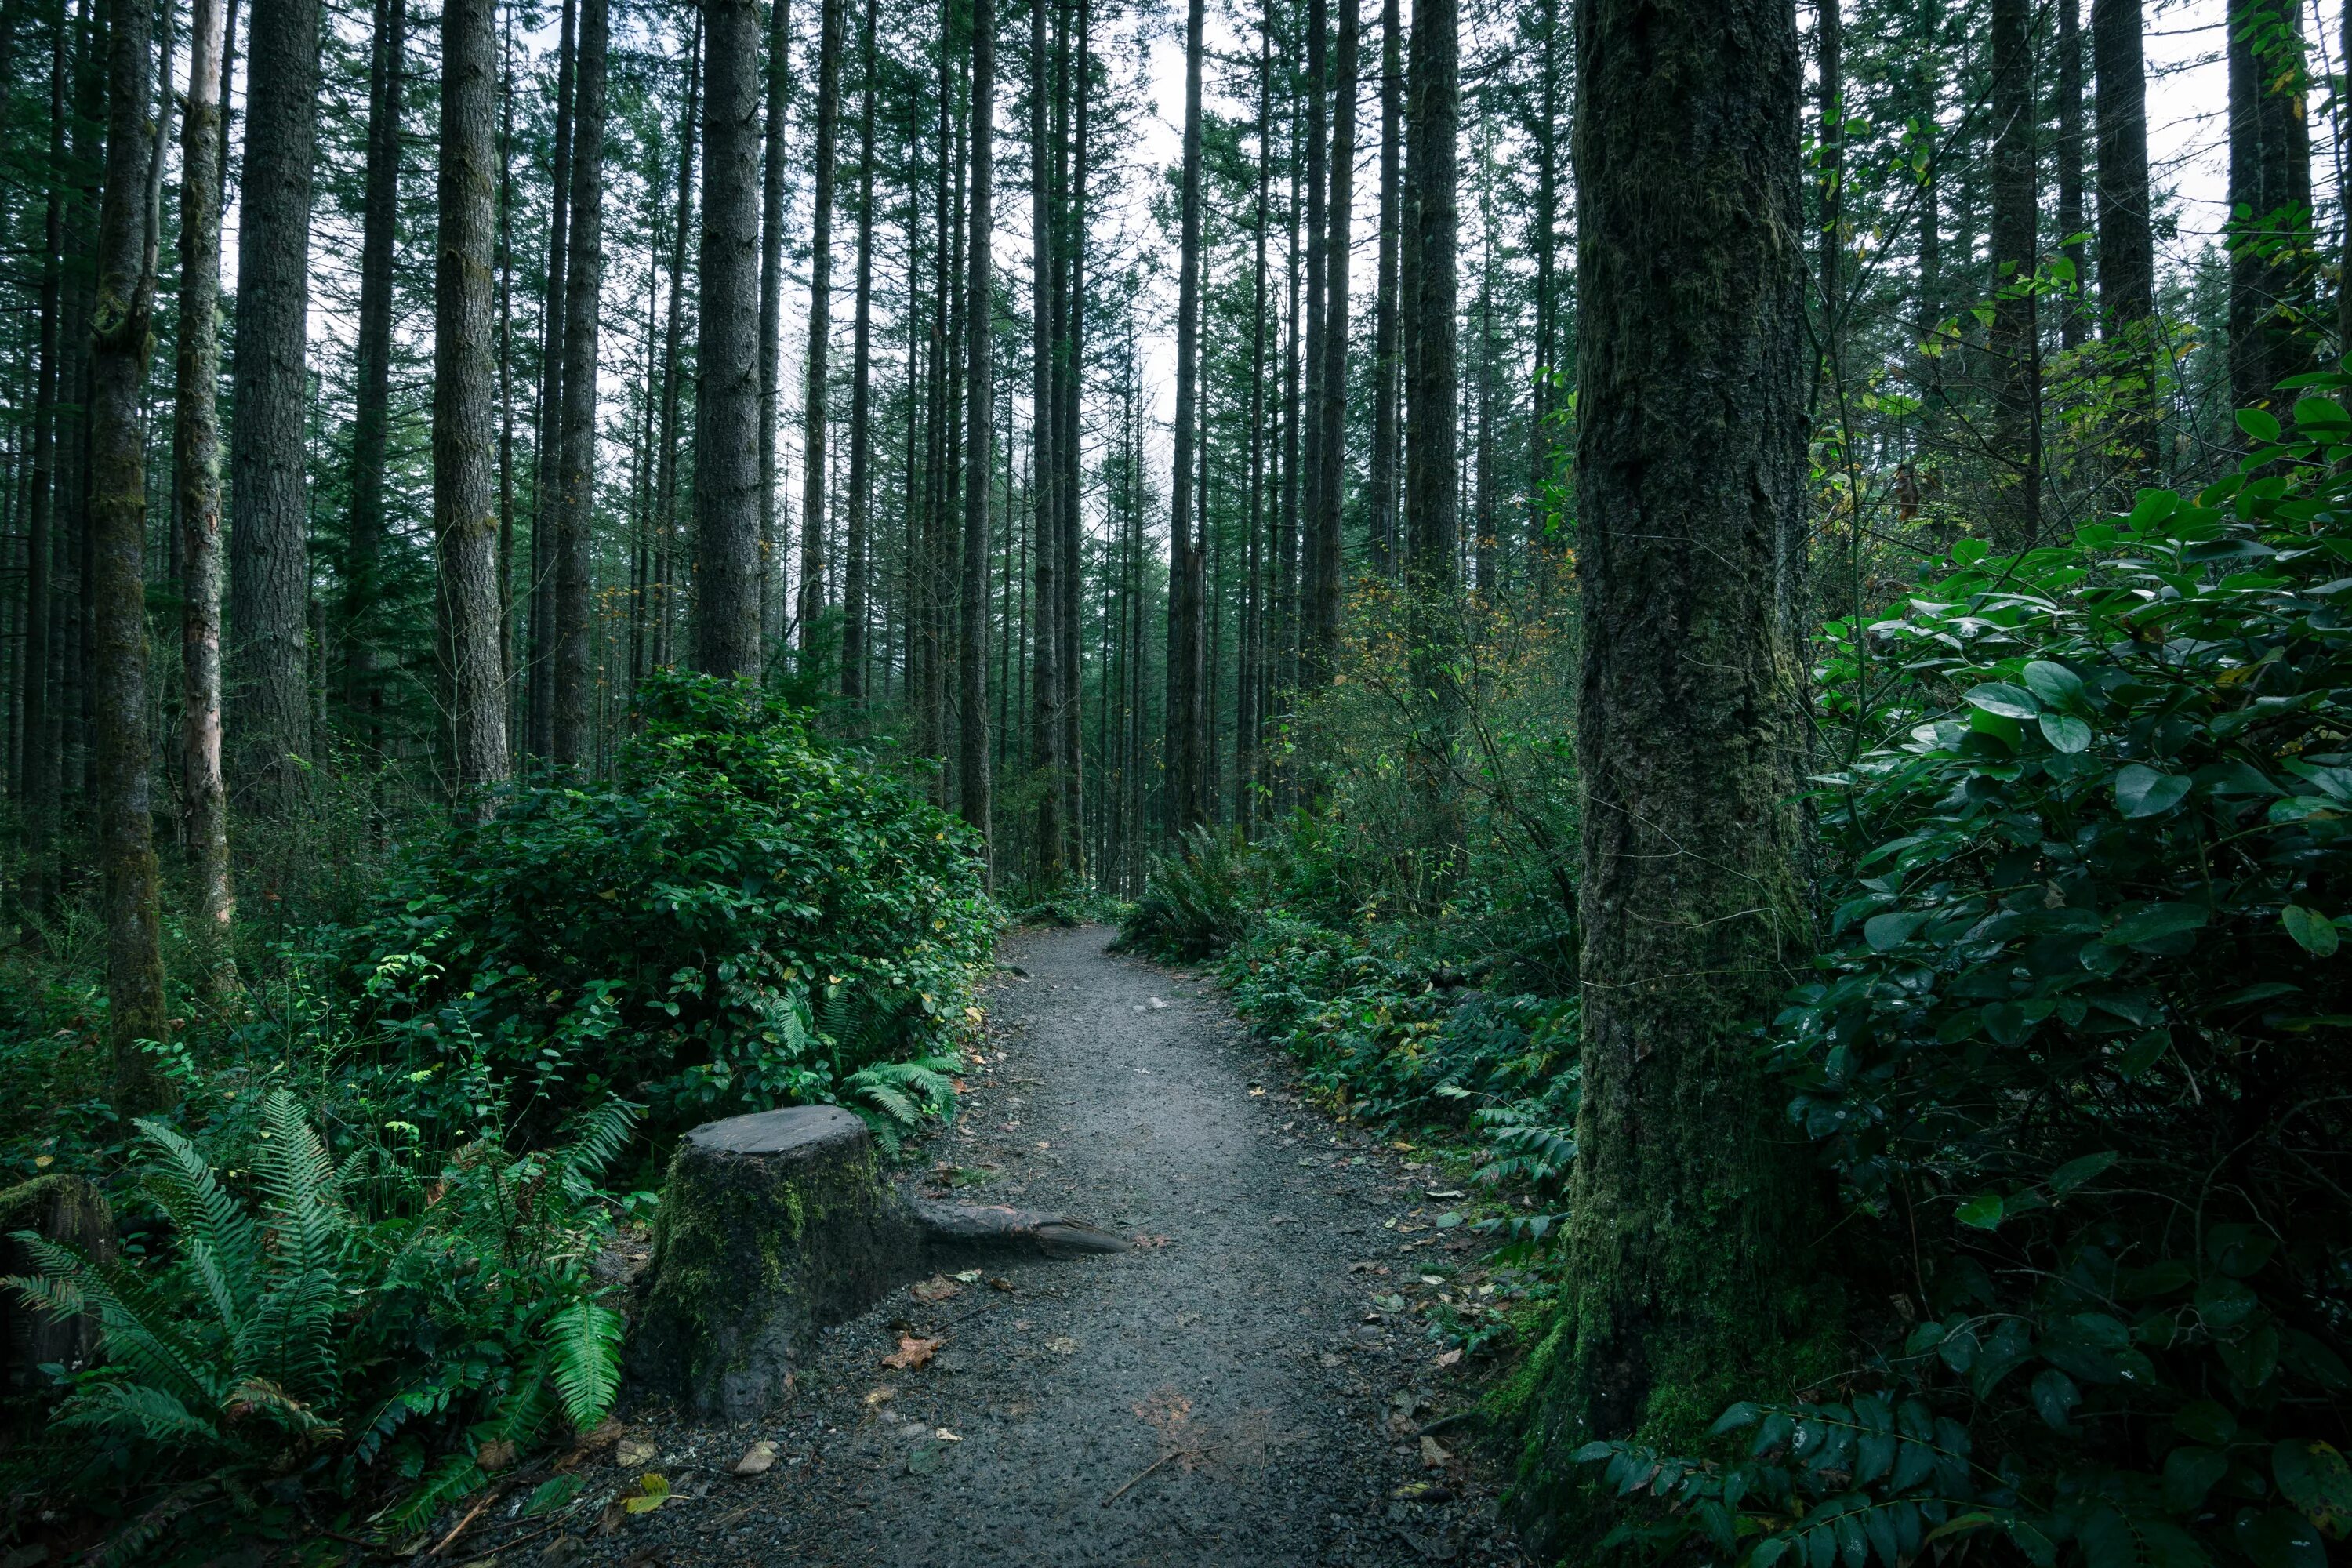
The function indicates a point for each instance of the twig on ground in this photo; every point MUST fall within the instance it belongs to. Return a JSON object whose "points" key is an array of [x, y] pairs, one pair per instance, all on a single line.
{"points": [[471, 1514], [1171, 1454]]}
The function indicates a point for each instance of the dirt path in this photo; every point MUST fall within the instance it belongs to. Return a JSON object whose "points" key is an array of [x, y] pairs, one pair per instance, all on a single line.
{"points": [[1227, 1396]]}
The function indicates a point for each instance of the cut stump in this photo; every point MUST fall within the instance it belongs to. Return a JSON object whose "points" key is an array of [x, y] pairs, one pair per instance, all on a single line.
{"points": [[775, 1226]]}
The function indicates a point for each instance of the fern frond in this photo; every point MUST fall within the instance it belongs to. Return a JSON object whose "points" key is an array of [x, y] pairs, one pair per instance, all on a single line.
{"points": [[455, 1476], [584, 1343], [208, 1217], [598, 1136], [259, 1395], [136, 1410]]}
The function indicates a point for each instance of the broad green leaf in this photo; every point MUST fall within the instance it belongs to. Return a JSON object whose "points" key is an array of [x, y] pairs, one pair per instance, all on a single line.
{"points": [[2274, 1538], [2142, 791], [1885, 932], [2065, 733], [2205, 1421], [2314, 1476], [653, 1490], [2322, 418], [2311, 930], [1984, 1211], [2055, 1397], [2260, 425], [2054, 684], [2252, 1357], [2191, 1471], [2074, 1173], [2153, 922], [2008, 702]]}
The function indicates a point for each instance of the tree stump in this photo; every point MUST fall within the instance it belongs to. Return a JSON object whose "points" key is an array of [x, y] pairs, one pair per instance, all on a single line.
{"points": [[70, 1211], [771, 1227], [775, 1226]]}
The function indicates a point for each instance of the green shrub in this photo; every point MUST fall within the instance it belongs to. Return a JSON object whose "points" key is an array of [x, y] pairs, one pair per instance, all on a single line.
{"points": [[357, 1328], [2075, 1050], [1196, 899], [742, 918]]}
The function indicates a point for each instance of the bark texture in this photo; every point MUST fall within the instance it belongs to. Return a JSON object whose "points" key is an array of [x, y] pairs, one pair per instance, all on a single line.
{"points": [[465, 399], [1432, 469], [2015, 342], [726, 433], [859, 482], [774, 193], [2270, 240], [269, 573], [816, 408], [972, 640], [1688, 1205], [571, 743], [1323, 551], [1187, 719], [2126, 248], [363, 638], [121, 329]]}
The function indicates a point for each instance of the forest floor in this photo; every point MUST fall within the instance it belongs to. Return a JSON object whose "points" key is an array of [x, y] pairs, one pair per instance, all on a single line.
{"points": [[1228, 1392]]}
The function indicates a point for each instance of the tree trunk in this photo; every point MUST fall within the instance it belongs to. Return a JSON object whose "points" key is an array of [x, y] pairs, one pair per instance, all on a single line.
{"points": [[665, 473], [1830, 39], [2070, 169], [196, 466], [1185, 719], [2014, 341], [270, 573], [855, 609], [40, 770], [1071, 492], [573, 745], [1323, 553], [364, 640], [121, 328], [773, 529], [547, 489], [1433, 464], [1045, 722], [1249, 710], [2270, 247], [1381, 480], [820, 339], [2126, 248], [972, 648], [1691, 406], [1317, 89], [465, 491], [727, 409]]}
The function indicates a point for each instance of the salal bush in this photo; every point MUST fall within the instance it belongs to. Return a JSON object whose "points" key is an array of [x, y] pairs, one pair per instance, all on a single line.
{"points": [[2076, 1050], [742, 918]]}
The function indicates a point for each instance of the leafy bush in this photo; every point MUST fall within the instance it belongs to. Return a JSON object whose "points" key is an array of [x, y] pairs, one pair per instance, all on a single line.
{"points": [[1197, 899], [743, 918], [350, 1326], [2075, 1052]]}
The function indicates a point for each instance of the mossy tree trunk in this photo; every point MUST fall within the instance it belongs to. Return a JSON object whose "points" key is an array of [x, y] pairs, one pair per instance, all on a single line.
{"points": [[1690, 1202]]}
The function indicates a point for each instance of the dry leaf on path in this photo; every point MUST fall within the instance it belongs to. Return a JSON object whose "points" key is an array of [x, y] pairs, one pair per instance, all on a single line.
{"points": [[653, 1490], [633, 1452], [1447, 1358], [1150, 1241], [911, 1352], [1062, 1344], [1433, 1456], [937, 1287], [758, 1459], [880, 1396]]}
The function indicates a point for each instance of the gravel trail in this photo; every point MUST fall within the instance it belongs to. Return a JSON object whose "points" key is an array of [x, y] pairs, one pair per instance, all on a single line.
{"points": [[1225, 1394]]}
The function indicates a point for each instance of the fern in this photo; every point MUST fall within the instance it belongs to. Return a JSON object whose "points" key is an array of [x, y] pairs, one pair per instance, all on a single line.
{"points": [[585, 1346]]}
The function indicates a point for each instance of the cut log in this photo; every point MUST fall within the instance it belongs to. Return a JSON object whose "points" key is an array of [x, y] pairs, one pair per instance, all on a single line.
{"points": [[771, 1227], [776, 1225], [70, 1211]]}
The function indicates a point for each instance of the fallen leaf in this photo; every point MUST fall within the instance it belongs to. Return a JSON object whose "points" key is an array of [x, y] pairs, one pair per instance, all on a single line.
{"points": [[1043, 1144], [1432, 1455], [1360, 1267], [495, 1456], [1447, 1358], [1157, 1003], [1256, 1093], [1062, 1344], [1435, 1193], [911, 1352], [1424, 1491], [1000, 1283], [633, 1452], [1142, 1240], [758, 1459], [653, 1490], [944, 1436], [1327, 1359], [880, 1396], [937, 1287], [925, 1457], [969, 1276]]}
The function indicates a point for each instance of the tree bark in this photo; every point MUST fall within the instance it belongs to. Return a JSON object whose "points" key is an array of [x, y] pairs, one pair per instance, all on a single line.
{"points": [[727, 411], [855, 609], [465, 392], [2070, 169], [1432, 462], [1381, 480], [270, 588], [1318, 88], [1045, 720], [1186, 719], [2014, 340], [196, 466], [120, 333], [2126, 247], [1070, 494], [815, 410], [1323, 551], [40, 771], [665, 468], [573, 745], [1688, 1229], [972, 649], [773, 529], [547, 489], [1830, 44], [365, 644], [2271, 248]]}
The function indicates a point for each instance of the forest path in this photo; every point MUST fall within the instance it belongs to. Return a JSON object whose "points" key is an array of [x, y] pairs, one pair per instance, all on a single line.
{"points": [[1225, 1396]]}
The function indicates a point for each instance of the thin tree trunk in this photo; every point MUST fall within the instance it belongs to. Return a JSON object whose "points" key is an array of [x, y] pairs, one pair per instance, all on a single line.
{"points": [[1318, 88], [40, 770], [727, 410], [1045, 688], [2271, 248], [1070, 495], [972, 639], [1690, 407], [365, 641], [119, 331], [1249, 715], [196, 464], [1323, 551], [1432, 462], [1829, 41], [820, 339], [572, 743], [464, 391], [2014, 340], [665, 475], [2126, 248], [547, 490], [1382, 478], [1185, 718], [773, 528], [506, 373], [2070, 169], [855, 610], [270, 588]]}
